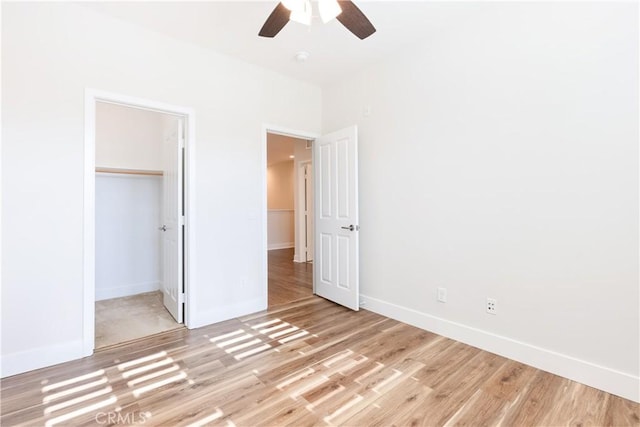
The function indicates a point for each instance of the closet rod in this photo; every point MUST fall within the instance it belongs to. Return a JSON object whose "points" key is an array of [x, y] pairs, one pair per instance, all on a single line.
{"points": [[129, 171]]}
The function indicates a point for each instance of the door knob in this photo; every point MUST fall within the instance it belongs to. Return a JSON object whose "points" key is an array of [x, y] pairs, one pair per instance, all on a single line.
{"points": [[163, 228], [350, 228]]}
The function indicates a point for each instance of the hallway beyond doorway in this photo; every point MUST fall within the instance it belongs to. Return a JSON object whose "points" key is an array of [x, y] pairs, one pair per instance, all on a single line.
{"points": [[288, 281]]}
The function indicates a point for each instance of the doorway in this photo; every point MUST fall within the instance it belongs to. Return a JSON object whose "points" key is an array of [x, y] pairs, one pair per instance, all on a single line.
{"points": [[135, 191], [336, 229], [289, 218], [137, 216]]}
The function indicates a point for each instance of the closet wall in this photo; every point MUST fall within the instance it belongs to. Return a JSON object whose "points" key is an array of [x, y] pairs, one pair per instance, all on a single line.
{"points": [[128, 204]]}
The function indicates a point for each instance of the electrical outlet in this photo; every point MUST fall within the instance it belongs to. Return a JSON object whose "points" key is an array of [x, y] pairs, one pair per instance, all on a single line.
{"points": [[492, 306], [442, 294]]}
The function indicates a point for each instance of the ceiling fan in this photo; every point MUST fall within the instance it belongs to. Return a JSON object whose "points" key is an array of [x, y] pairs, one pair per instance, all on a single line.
{"points": [[344, 11]]}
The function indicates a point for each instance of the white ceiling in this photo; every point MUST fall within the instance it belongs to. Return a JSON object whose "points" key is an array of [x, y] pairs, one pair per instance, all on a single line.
{"points": [[232, 27], [280, 148]]}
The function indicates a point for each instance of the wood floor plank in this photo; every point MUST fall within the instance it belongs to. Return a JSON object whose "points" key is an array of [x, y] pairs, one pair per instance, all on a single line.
{"points": [[578, 404], [621, 412], [535, 400], [288, 281], [453, 389], [509, 380], [393, 408]]}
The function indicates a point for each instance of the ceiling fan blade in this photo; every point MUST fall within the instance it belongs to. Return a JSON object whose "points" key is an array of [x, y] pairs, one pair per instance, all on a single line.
{"points": [[354, 20], [275, 22]]}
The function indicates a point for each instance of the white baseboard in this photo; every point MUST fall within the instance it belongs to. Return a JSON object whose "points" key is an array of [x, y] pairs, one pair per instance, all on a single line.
{"points": [[126, 290], [24, 361], [287, 245], [600, 377], [221, 314]]}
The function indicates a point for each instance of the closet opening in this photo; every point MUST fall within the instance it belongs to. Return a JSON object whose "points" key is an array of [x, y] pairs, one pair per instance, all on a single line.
{"points": [[139, 222]]}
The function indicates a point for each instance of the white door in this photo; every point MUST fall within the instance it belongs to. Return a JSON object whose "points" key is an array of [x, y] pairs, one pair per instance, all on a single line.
{"points": [[173, 220], [308, 210], [336, 223]]}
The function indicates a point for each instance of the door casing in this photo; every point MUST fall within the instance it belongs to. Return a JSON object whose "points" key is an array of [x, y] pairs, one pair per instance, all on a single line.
{"points": [[91, 97], [300, 217]]}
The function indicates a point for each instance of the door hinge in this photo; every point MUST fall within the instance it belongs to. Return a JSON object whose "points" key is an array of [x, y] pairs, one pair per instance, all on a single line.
{"points": [[181, 298], [182, 220]]}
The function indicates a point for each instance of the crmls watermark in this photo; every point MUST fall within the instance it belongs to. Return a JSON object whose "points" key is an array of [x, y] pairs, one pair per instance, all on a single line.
{"points": [[116, 417]]}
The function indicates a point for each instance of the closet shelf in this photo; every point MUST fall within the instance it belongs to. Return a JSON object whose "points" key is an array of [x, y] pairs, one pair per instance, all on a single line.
{"points": [[129, 171]]}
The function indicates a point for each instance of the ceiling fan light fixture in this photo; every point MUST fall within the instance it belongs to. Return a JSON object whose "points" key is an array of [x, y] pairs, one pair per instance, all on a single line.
{"points": [[293, 5], [302, 16], [329, 9], [345, 11]]}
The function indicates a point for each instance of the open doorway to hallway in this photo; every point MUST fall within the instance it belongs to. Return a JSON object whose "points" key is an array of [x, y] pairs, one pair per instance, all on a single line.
{"points": [[289, 219]]}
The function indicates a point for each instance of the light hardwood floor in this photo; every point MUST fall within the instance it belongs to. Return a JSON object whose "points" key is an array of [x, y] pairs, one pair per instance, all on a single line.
{"points": [[288, 281], [306, 363]]}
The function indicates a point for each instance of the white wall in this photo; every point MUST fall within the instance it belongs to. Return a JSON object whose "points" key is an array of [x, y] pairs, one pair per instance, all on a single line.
{"points": [[280, 229], [127, 237], [44, 75], [280, 185], [280, 213], [500, 160], [128, 138]]}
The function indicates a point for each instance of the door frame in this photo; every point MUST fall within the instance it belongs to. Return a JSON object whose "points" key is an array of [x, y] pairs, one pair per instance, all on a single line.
{"points": [[294, 133], [91, 98], [300, 217]]}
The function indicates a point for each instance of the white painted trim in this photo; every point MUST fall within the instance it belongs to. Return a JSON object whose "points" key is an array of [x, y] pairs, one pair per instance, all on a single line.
{"points": [[600, 377], [285, 245], [127, 176], [279, 130], [190, 219], [89, 225], [127, 290], [300, 238], [24, 361], [91, 97], [293, 133], [227, 312]]}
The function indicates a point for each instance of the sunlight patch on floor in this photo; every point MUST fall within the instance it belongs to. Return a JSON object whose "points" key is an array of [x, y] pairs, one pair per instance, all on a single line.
{"points": [[357, 399], [139, 372], [86, 394], [242, 344], [237, 337], [73, 380]]}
